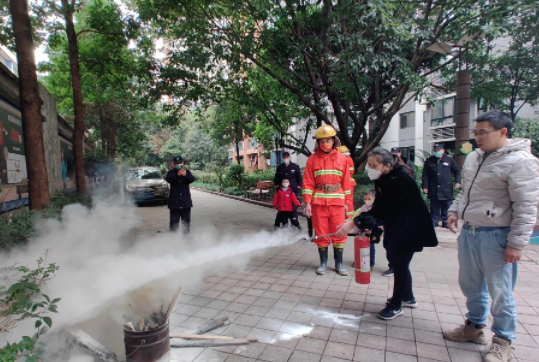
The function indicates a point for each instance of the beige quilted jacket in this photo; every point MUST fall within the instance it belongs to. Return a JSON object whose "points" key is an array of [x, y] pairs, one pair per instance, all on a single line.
{"points": [[501, 189]]}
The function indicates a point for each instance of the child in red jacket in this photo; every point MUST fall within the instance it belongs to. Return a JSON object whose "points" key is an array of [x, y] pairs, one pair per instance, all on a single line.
{"points": [[285, 201]]}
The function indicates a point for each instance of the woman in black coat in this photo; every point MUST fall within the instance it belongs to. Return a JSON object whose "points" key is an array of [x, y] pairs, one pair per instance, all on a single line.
{"points": [[407, 224]]}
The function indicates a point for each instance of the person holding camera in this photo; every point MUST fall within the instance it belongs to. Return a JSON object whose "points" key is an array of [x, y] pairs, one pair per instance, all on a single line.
{"points": [[179, 201]]}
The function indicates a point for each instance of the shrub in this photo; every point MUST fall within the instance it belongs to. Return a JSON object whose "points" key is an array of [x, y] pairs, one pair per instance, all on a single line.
{"points": [[236, 175], [21, 301], [206, 186], [18, 226], [234, 191]]}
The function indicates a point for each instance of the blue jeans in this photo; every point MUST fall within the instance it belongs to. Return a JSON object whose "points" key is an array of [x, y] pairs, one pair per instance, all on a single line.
{"points": [[483, 271]]}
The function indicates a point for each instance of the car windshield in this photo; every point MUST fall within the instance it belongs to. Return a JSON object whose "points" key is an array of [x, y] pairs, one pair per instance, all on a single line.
{"points": [[144, 174]]}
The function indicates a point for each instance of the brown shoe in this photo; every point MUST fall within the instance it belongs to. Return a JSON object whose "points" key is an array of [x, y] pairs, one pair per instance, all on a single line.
{"points": [[466, 333], [500, 351]]}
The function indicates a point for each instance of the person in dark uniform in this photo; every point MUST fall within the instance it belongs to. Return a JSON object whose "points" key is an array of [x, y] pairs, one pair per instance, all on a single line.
{"points": [[438, 173], [291, 172], [396, 151], [179, 201]]}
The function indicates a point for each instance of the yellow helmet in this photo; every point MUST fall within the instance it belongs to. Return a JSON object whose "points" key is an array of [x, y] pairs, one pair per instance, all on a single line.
{"points": [[325, 131], [343, 149]]}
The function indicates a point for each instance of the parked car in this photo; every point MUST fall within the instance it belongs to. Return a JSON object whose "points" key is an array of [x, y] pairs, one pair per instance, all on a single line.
{"points": [[146, 184]]}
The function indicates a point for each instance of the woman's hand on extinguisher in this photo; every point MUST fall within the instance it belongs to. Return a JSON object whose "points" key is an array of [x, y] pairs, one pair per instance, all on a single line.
{"points": [[307, 210], [344, 229]]}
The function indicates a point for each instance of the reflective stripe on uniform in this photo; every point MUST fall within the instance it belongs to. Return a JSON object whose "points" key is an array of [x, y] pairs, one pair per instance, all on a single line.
{"points": [[352, 169], [327, 172], [348, 192], [307, 192], [329, 196]]}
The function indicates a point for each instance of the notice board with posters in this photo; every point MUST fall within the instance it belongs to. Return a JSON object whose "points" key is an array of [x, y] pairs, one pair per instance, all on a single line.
{"points": [[13, 174]]}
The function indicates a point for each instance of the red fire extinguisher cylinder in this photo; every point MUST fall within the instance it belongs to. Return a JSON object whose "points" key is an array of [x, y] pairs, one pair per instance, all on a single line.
{"points": [[362, 256]]}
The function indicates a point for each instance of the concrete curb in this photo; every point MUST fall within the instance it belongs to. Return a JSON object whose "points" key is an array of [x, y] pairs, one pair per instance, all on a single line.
{"points": [[237, 198]]}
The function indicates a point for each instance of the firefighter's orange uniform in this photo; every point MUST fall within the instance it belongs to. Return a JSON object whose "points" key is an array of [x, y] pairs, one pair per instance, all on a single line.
{"points": [[353, 182], [326, 186]]}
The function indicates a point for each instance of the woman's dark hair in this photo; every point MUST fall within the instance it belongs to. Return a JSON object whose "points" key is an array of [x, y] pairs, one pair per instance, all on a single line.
{"points": [[383, 156], [387, 158]]}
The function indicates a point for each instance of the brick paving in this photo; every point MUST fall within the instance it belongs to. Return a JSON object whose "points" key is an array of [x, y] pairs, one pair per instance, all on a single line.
{"points": [[300, 317]]}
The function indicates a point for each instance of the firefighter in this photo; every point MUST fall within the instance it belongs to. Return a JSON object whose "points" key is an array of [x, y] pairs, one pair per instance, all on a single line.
{"points": [[345, 151], [326, 192]]}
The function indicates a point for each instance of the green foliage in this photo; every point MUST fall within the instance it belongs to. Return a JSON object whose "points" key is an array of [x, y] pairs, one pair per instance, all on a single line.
{"points": [[235, 191], [505, 73], [22, 301], [362, 179], [206, 186], [528, 128], [114, 76], [17, 227], [236, 175], [352, 63]]}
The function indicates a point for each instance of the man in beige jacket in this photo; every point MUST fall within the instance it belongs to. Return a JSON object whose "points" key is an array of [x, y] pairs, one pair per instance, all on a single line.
{"points": [[498, 204]]}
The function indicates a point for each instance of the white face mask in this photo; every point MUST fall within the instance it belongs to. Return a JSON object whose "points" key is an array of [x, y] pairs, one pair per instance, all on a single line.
{"points": [[286, 185], [369, 202], [286, 160], [374, 174]]}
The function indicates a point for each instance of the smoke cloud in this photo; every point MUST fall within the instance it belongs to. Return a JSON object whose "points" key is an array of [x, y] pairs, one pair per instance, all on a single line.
{"points": [[105, 267]]}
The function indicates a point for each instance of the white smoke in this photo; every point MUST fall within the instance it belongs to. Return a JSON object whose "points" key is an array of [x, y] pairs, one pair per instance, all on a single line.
{"points": [[104, 265]]}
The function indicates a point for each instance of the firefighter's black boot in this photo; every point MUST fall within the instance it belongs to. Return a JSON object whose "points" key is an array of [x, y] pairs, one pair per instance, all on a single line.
{"points": [[339, 267], [323, 261]]}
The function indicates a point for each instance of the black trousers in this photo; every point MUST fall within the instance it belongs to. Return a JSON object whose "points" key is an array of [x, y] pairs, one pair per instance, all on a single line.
{"points": [[183, 215], [283, 217], [402, 287], [438, 209]]}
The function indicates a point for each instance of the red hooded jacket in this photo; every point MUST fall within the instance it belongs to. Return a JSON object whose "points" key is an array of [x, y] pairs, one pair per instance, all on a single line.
{"points": [[285, 200]]}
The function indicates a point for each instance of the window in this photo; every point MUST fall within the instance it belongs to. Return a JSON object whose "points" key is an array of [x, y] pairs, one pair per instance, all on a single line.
{"points": [[411, 156], [407, 120], [253, 142], [240, 145], [442, 112]]}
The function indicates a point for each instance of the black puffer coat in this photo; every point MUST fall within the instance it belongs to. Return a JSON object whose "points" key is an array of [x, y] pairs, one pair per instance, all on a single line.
{"points": [[406, 219], [180, 194]]}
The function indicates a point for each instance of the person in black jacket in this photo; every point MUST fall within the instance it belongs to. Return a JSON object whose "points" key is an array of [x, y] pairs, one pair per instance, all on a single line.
{"points": [[407, 224], [291, 172], [396, 151], [438, 173], [179, 201]]}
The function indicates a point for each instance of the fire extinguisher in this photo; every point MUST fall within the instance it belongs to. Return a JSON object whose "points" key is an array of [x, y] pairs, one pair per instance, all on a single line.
{"points": [[362, 255]]}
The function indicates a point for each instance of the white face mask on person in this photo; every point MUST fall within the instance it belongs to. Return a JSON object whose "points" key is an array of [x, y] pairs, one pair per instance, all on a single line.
{"points": [[369, 202], [373, 174], [285, 185], [286, 161]]}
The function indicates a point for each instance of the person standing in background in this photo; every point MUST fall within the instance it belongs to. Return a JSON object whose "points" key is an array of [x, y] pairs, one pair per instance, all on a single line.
{"points": [[396, 151], [345, 151], [438, 173], [179, 201], [289, 171]]}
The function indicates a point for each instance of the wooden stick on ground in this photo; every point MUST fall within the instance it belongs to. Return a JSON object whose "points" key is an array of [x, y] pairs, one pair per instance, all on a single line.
{"points": [[173, 303], [199, 337], [95, 348], [210, 326], [175, 343]]}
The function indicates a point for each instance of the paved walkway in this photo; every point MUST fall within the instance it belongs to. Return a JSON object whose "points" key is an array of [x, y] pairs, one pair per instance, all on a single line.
{"points": [[300, 317]]}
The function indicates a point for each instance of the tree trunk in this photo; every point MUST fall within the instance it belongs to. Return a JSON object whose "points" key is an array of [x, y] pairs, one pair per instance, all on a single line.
{"points": [[78, 127], [104, 130], [30, 103], [112, 139]]}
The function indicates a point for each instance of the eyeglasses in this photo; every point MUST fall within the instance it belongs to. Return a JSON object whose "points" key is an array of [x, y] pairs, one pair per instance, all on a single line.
{"points": [[483, 133]]}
